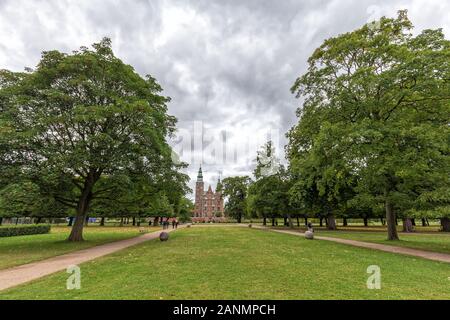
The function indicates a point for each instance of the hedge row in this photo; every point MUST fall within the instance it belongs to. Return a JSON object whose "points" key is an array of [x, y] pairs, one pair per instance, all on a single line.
{"points": [[12, 231]]}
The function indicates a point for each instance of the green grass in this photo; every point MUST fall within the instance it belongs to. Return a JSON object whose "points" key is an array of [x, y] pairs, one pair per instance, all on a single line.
{"points": [[19, 250], [370, 228], [242, 263], [439, 242]]}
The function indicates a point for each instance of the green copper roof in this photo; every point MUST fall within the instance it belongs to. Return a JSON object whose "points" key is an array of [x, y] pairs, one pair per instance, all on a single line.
{"points": [[200, 174]]}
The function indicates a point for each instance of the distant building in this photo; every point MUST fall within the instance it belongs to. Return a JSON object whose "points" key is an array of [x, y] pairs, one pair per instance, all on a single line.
{"points": [[209, 204]]}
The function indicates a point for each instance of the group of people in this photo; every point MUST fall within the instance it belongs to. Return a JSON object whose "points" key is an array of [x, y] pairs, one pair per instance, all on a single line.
{"points": [[166, 222]]}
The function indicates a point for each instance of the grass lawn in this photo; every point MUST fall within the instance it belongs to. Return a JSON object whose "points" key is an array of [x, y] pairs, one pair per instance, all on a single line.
{"points": [[25, 249], [418, 229], [429, 241], [439, 242], [242, 263]]}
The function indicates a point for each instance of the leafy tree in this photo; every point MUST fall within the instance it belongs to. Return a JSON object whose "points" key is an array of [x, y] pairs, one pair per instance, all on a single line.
{"points": [[378, 96], [434, 204], [25, 200], [161, 206], [78, 117], [268, 194], [186, 207], [323, 178], [139, 197], [235, 189]]}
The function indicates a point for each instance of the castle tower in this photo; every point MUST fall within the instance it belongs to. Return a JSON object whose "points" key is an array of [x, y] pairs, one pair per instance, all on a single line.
{"points": [[199, 191], [209, 204]]}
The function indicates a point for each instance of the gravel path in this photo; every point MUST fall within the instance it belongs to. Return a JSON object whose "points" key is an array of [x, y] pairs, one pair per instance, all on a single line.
{"points": [[28, 272], [436, 256]]}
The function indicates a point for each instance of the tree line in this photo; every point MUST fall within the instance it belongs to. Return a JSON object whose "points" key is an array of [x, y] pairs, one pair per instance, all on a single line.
{"points": [[373, 135]]}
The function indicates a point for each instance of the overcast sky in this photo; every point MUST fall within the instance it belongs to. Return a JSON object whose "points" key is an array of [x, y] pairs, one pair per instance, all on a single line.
{"points": [[227, 65]]}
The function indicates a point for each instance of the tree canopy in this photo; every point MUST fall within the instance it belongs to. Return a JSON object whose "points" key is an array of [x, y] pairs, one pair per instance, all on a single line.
{"points": [[374, 122], [80, 125], [235, 189]]}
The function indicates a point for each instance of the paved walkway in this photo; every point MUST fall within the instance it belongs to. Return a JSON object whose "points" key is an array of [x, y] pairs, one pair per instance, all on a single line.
{"points": [[25, 273], [436, 256]]}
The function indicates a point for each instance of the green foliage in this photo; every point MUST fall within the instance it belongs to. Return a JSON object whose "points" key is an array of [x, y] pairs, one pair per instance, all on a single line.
{"points": [[373, 127], [12, 231], [161, 207], [235, 189], [268, 194], [26, 200], [82, 123], [185, 209]]}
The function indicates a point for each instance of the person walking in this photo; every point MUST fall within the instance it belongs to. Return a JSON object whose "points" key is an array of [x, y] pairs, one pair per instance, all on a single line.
{"points": [[173, 223]]}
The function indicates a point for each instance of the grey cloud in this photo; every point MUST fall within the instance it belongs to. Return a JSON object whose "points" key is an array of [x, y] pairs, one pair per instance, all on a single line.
{"points": [[229, 63]]}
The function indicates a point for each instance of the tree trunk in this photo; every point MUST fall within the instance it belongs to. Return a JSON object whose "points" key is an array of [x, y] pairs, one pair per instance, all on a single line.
{"points": [[366, 222], [407, 225], [298, 222], [424, 223], [413, 221], [70, 221], [102, 222], [139, 222], [306, 221], [331, 222], [273, 222], [1, 221], [390, 221], [285, 222], [445, 223], [76, 234], [264, 221], [345, 222], [38, 220], [289, 221], [86, 221], [121, 222], [321, 222], [383, 222], [156, 222], [134, 221]]}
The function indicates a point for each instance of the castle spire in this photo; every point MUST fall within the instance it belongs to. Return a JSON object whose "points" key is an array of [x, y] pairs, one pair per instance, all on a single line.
{"points": [[200, 175]]}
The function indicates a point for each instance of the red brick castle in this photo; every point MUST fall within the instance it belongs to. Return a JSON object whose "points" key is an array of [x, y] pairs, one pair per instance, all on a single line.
{"points": [[209, 204]]}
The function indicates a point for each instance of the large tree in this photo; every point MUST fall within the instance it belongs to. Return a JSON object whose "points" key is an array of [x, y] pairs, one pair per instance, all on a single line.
{"points": [[79, 117], [382, 95], [268, 194], [235, 189], [24, 199], [322, 178]]}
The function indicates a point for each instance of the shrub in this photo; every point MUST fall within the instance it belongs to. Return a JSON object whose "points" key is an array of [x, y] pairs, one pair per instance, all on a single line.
{"points": [[12, 231]]}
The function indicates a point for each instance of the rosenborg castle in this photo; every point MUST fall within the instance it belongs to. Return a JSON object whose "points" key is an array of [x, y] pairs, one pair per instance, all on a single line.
{"points": [[208, 204]]}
